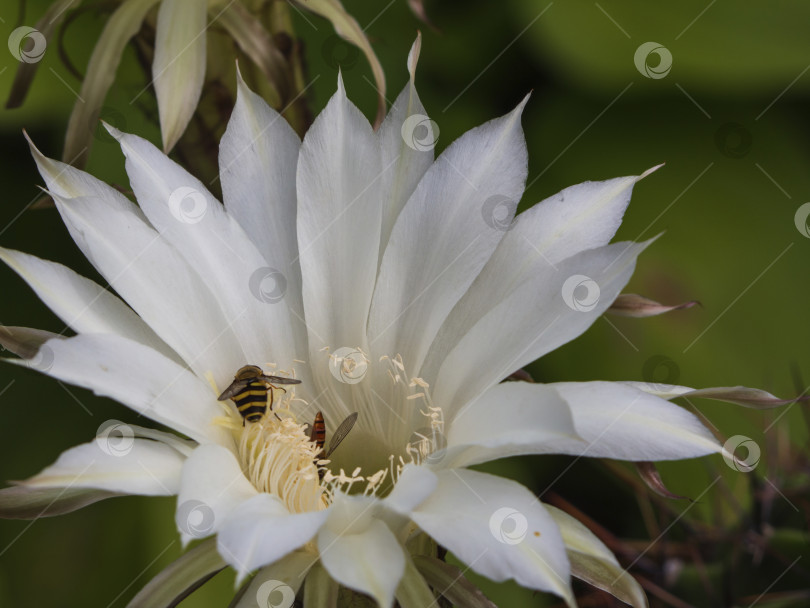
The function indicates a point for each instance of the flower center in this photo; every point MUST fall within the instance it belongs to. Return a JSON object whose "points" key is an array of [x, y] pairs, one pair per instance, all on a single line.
{"points": [[280, 456]]}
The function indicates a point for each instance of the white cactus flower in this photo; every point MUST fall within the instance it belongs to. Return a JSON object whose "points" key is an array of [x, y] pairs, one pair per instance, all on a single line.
{"points": [[390, 285]]}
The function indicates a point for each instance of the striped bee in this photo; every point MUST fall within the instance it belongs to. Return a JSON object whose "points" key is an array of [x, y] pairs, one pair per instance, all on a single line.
{"points": [[252, 391], [317, 435]]}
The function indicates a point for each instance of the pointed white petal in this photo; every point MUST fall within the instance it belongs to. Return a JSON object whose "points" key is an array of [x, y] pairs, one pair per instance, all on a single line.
{"points": [[138, 377], [540, 315], [83, 305], [288, 572], [339, 215], [530, 419], [445, 234], [213, 243], [127, 465], [359, 551], [585, 216], [261, 531], [178, 69], [152, 277], [211, 487], [257, 161], [407, 138], [498, 528], [594, 563], [70, 182], [619, 421]]}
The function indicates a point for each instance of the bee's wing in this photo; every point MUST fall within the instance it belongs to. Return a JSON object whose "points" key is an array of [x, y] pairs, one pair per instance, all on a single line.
{"points": [[280, 380], [341, 432], [235, 388]]}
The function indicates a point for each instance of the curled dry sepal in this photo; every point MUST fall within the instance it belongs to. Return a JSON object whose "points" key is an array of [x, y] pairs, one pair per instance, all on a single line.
{"points": [[633, 305], [403, 269]]}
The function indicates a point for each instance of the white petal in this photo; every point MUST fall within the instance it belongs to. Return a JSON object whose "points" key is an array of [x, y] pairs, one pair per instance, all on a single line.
{"points": [[258, 156], [127, 465], [509, 419], [69, 182], [359, 551], [414, 485], [580, 217], [540, 315], [619, 421], [138, 377], [339, 215], [214, 244], [211, 487], [585, 216], [83, 305], [407, 138], [498, 528], [153, 278], [262, 531], [593, 562], [178, 68], [289, 571], [444, 236]]}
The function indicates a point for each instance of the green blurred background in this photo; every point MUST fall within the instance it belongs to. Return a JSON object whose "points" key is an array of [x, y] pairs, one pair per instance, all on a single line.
{"points": [[730, 121]]}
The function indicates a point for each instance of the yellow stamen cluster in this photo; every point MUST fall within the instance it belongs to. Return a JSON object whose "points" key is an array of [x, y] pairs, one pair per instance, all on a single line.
{"points": [[278, 458]]}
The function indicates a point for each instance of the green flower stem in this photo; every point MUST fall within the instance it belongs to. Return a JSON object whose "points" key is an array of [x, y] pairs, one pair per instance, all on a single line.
{"points": [[413, 591], [180, 578], [320, 591]]}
